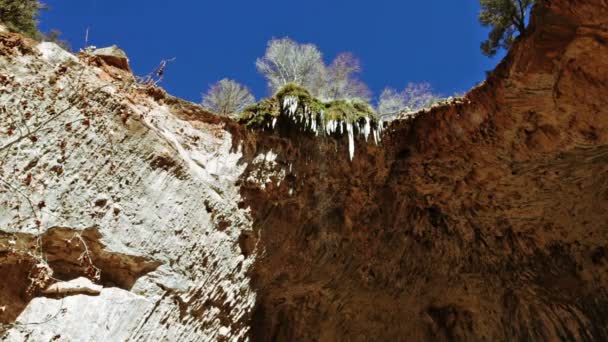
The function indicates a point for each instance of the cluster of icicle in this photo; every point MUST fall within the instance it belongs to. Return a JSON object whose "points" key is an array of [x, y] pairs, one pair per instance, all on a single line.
{"points": [[315, 122]]}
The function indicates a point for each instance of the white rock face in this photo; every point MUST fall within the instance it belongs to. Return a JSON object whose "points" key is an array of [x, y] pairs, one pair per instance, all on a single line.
{"points": [[80, 285], [81, 318], [80, 149], [54, 54]]}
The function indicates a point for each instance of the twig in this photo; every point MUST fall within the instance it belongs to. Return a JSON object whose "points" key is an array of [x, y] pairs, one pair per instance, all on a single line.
{"points": [[87, 254]]}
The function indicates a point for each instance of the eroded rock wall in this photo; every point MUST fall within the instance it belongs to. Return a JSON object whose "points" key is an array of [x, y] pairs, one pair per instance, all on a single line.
{"points": [[483, 220], [103, 180]]}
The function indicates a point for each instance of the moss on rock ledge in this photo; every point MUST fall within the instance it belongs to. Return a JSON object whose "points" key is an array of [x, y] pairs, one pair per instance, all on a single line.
{"points": [[296, 105], [340, 110]]}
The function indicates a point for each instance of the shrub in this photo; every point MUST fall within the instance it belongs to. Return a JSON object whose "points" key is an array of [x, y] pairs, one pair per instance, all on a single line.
{"points": [[21, 16]]}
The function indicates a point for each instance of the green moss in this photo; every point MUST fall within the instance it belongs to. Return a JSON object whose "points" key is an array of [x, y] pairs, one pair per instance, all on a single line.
{"points": [[304, 97], [341, 110], [260, 112], [293, 90], [348, 111]]}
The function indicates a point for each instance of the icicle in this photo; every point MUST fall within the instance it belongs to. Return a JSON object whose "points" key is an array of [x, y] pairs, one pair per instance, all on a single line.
{"points": [[366, 128], [351, 140], [322, 120], [290, 104], [294, 106]]}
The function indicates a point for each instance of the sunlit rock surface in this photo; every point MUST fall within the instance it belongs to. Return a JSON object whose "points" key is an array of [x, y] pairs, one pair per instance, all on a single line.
{"points": [[99, 177]]}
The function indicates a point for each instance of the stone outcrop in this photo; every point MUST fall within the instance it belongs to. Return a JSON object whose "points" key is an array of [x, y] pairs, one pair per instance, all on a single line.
{"points": [[100, 179], [113, 56], [480, 220], [484, 219]]}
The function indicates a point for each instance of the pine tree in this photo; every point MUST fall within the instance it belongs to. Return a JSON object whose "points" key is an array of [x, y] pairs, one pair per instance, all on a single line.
{"points": [[506, 17], [21, 16]]}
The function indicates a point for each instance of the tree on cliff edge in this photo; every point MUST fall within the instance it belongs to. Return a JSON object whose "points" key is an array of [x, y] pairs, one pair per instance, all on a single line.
{"points": [[341, 82], [505, 17], [21, 16], [415, 97], [227, 98], [287, 61]]}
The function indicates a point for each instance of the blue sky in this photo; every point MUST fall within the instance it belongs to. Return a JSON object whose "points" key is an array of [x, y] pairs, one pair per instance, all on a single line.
{"points": [[397, 41]]}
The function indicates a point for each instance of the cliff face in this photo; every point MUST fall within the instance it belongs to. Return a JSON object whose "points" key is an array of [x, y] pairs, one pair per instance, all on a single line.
{"points": [[108, 179], [485, 219]]}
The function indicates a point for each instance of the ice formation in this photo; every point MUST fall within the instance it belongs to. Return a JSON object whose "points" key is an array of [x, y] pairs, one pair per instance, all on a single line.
{"points": [[315, 122]]}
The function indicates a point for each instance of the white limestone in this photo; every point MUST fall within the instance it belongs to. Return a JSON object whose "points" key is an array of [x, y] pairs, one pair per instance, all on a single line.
{"points": [[156, 171]]}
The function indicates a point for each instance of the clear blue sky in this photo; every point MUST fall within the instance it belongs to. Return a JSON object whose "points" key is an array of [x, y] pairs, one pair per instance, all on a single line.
{"points": [[397, 40]]}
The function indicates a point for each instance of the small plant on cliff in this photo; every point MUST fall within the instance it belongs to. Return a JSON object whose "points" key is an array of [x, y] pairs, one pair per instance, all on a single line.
{"points": [[227, 98], [505, 17], [21, 16]]}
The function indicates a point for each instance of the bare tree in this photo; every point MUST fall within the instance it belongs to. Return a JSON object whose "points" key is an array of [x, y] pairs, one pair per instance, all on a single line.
{"points": [[287, 62], [342, 83], [390, 104], [227, 98], [414, 97], [419, 95]]}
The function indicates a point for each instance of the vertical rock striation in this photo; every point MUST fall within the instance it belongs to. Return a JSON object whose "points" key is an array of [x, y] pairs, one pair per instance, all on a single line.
{"points": [[103, 180]]}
